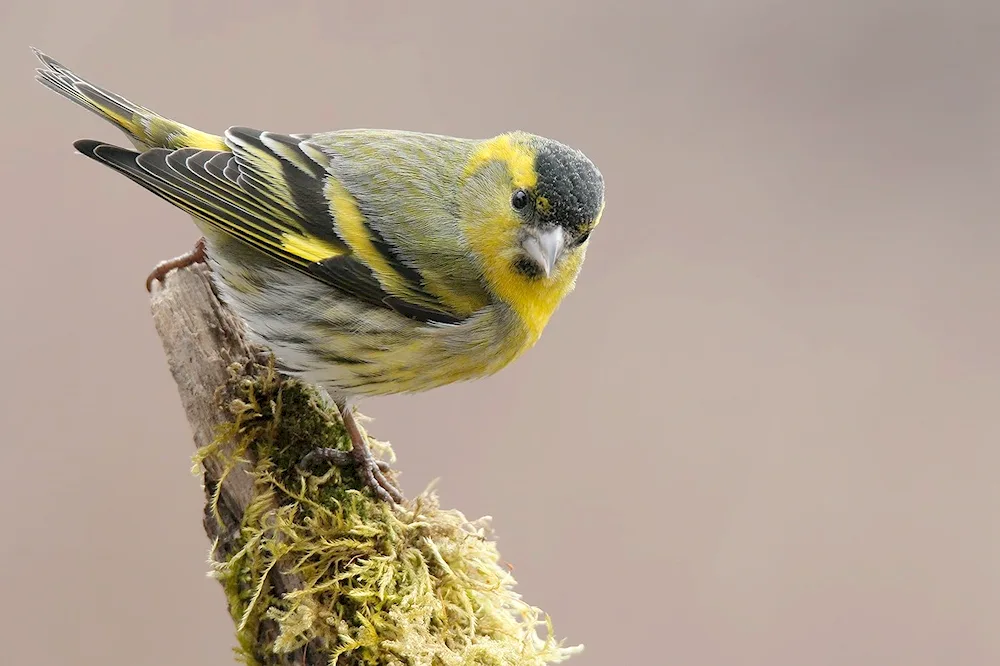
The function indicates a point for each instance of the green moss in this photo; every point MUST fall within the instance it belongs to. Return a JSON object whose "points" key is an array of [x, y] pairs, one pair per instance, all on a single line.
{"points": [[418, 585]]}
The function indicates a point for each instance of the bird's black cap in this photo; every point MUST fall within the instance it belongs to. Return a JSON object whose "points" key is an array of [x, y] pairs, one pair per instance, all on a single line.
{"points": [[569, 190]]}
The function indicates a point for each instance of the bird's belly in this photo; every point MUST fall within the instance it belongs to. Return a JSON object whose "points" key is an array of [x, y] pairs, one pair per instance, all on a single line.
{"points": [[354, 349], [410, 357]]}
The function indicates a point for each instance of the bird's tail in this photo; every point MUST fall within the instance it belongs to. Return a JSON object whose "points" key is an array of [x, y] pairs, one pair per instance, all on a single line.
{"points": [[144, 128]]}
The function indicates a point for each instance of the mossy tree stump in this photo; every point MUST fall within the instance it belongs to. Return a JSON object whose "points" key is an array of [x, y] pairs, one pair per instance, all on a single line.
{"points": [[315, 570]]}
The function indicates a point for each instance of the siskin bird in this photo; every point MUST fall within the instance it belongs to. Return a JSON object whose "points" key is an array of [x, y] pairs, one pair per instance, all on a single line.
{"points": [[370, 262]]}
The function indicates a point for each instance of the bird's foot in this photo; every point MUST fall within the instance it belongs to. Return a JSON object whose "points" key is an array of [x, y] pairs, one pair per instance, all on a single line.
{"points": [[373, 473], [195, 256]]}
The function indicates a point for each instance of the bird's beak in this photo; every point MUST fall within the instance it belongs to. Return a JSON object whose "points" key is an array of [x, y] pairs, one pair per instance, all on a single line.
{"points": [[545, 247]]}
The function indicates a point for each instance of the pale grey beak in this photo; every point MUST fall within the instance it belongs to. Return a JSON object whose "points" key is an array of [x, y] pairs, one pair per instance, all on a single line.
{"points": [[545, 247]]}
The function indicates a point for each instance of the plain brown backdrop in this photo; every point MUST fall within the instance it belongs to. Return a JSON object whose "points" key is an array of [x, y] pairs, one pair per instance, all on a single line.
{"points": [[765, 429]]}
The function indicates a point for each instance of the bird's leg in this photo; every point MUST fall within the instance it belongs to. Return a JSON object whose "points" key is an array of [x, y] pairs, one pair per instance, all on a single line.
{"points": [[195, 256], [372, 472]]}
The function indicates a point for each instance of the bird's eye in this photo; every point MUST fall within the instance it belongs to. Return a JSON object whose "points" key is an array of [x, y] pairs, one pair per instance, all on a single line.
{"points": [[519, 199], [582, 238]]}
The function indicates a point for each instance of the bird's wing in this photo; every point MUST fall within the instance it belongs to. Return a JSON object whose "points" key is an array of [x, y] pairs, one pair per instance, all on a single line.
{"points": [[275, 193]]}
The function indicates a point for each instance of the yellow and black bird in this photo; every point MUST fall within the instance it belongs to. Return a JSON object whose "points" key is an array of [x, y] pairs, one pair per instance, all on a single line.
{"points": [[371, 262]]}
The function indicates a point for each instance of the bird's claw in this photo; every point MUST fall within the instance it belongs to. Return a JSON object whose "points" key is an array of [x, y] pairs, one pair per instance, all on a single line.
{"points": [[195, 256], [373, 473]]}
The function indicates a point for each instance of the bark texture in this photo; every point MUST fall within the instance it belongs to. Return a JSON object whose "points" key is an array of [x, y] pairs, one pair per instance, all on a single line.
{"points": [[201, 340]]}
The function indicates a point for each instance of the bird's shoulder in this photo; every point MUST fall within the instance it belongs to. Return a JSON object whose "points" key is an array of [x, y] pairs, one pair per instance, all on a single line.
{"points": [[405, 188]]}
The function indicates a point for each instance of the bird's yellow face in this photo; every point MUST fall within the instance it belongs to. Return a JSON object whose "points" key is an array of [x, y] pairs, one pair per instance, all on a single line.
{"points": [[529, 206]]}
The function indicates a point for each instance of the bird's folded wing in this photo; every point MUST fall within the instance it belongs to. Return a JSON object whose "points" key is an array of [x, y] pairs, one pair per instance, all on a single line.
{"points": [[275, 193]]}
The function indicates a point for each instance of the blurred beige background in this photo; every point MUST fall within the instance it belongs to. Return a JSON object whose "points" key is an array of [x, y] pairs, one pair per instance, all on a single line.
{"points": [[765, 430]]}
